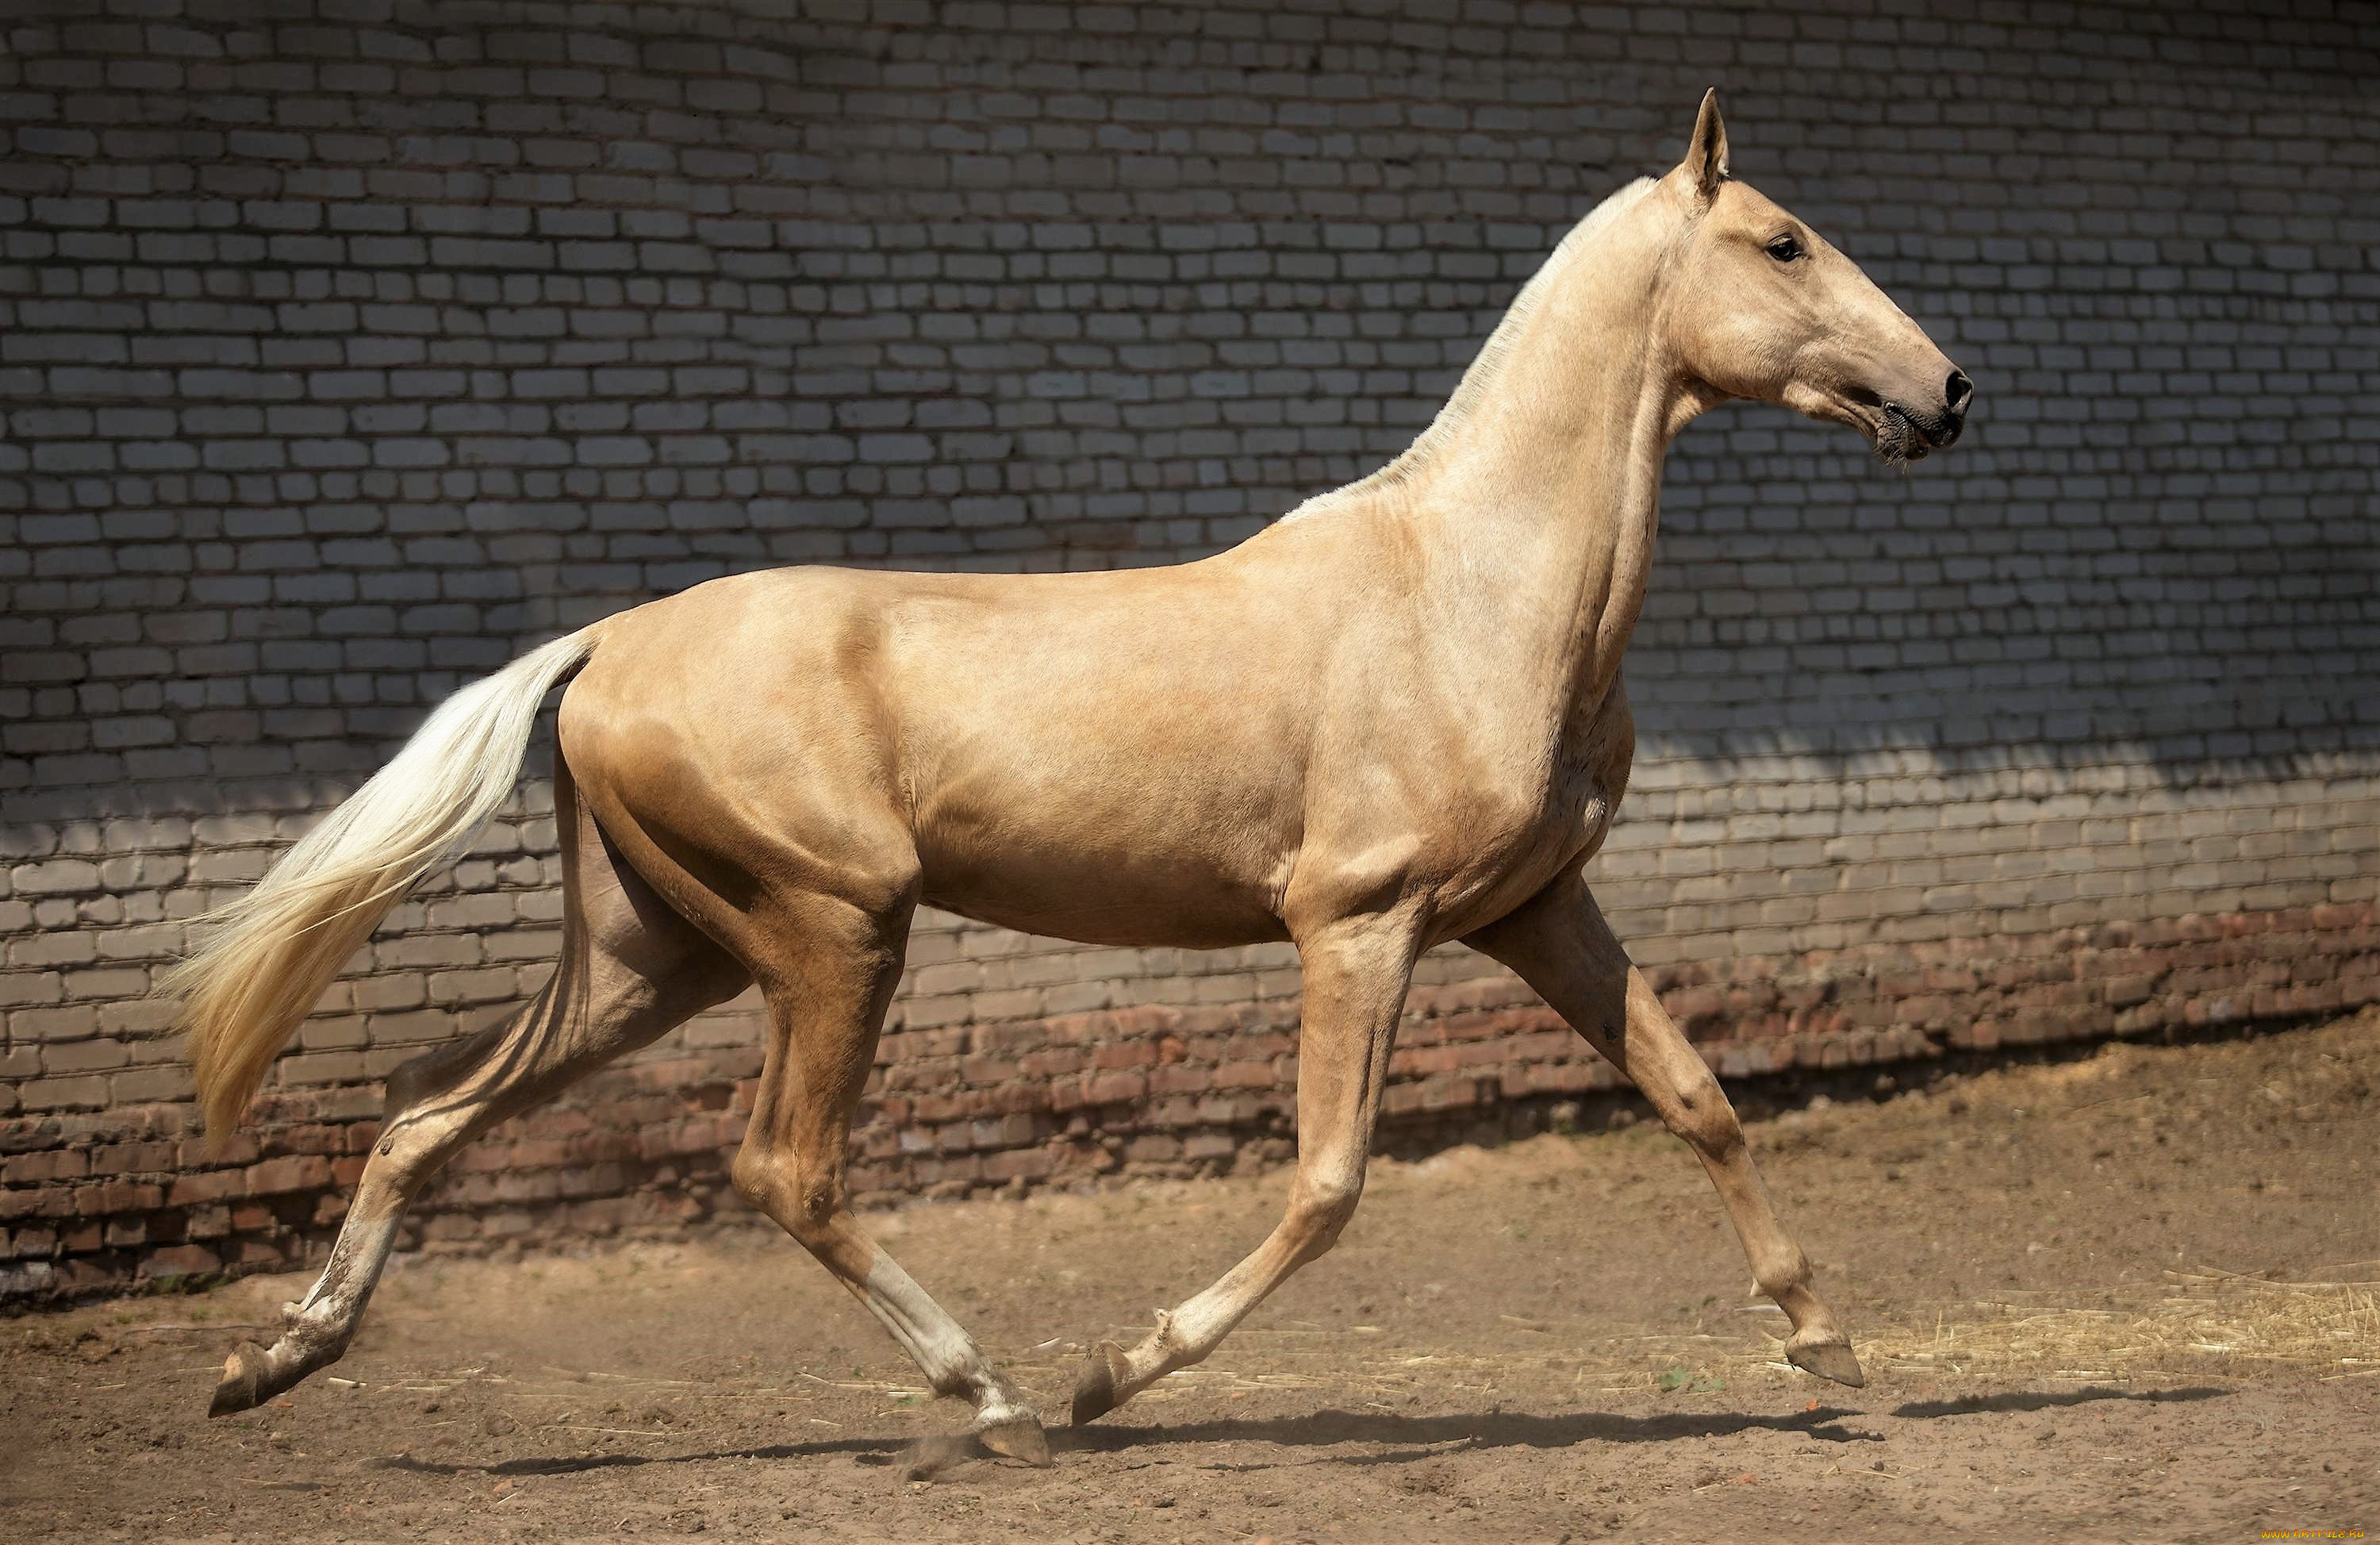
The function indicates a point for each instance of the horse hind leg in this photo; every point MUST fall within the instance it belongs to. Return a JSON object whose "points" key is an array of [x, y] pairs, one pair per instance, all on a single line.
{"points": [[829, 978], [630, 970]]}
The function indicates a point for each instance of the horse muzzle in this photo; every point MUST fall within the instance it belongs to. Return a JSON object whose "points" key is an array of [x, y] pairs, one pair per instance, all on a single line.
{"points": [[1923, 431]]}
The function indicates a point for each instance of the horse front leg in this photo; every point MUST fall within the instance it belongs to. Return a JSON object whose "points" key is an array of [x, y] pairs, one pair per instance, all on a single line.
{"points": [[1560, 946], [1355, 975]]}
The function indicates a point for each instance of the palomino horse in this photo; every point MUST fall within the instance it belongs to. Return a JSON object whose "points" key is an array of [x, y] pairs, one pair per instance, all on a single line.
{"points": [[1394, 718]]}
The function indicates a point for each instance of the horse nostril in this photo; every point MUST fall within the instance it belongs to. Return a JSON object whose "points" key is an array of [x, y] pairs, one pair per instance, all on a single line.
{"points": [[1956, 390]]}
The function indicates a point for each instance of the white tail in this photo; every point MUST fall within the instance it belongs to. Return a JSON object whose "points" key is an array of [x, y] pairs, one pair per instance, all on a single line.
{"points": [[267, 957]]}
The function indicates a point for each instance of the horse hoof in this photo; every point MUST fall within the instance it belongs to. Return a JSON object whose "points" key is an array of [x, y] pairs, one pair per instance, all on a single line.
{"points": [[1019, 1438], [1831, 1359], [1095, 1387], [243, 1382]]}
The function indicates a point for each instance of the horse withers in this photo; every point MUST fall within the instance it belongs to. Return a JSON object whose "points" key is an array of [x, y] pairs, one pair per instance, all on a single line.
{"points": [[1392, 719]]}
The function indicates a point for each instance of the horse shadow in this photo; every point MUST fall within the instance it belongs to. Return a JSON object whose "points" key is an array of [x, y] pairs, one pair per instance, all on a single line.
{"points": [[1401, 1438], [2045, 1400], [1397, 1438]]}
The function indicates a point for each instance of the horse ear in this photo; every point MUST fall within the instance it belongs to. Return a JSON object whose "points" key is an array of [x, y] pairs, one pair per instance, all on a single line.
{"points": [[1705, 161]]}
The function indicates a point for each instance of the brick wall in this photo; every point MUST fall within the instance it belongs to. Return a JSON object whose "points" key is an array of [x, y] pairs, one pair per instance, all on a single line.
{"points": [[346, 347]]}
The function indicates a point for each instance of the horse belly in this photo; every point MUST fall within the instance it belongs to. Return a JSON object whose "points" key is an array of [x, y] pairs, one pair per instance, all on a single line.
{"points": [[1098, 885], [1107, 785], [1176, 919], [1117, 835]]}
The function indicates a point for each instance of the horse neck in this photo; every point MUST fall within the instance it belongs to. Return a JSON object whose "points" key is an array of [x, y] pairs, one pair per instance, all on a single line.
{"points": [[1543, 504]]}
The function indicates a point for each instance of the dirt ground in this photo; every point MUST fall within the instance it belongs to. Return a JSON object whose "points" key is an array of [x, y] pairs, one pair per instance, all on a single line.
{"points": [[2127, 1297]]}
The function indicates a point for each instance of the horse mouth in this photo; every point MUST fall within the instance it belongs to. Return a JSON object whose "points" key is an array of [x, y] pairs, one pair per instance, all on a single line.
{"points": [[1899, 436]]}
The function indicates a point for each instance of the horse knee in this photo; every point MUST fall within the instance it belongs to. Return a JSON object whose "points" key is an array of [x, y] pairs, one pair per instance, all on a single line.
{"points": [[1705, 1119], [804, 1204], [413, 1081], [760, 1176], [418, 1127], [1321, 1209]]}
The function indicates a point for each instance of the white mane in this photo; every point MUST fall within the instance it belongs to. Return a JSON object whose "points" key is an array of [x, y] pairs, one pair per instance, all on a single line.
{"points": [[1490, 360]]}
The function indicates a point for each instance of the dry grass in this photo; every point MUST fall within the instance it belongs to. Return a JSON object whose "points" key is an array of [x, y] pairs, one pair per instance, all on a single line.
{"points": [[2191, 1321]]}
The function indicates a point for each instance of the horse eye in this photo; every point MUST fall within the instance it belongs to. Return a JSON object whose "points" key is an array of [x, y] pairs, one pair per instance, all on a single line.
{"points": [[1784, 248]]}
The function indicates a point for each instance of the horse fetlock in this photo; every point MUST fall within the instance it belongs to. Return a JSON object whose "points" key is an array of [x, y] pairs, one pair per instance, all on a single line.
{"points": [[1104, 1383], [1782, 1272], [996, 1400]]}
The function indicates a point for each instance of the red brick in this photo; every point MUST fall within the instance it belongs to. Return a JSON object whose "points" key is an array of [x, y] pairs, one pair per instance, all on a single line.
{"points": [[47, 1201], [1115, 1089], [292, 1173], [63, 1163], [117, 1196], [132, 1158], [206, 1186]]}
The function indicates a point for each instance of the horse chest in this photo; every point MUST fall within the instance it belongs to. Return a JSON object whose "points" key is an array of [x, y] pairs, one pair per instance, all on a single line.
{"points": [[1509, 841], [1551, 820]]}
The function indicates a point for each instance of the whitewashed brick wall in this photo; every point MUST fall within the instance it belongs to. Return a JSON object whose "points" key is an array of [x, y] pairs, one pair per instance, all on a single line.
{"points": [[346, 347]]}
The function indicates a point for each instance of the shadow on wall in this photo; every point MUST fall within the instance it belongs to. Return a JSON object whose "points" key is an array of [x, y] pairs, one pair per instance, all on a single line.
{"points": [[517, 324], [1811, 618], [2035, 607]]}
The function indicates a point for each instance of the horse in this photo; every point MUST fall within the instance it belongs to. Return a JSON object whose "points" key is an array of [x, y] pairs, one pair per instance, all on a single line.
{"points": [[1391, 718]]}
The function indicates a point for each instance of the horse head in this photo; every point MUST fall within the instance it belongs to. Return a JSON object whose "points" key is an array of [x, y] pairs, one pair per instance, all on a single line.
{"points": [[1759, 305]]}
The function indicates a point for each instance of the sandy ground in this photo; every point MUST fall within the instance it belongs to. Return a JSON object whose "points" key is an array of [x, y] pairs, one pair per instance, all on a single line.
{"points": [[2110, 1300]]}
